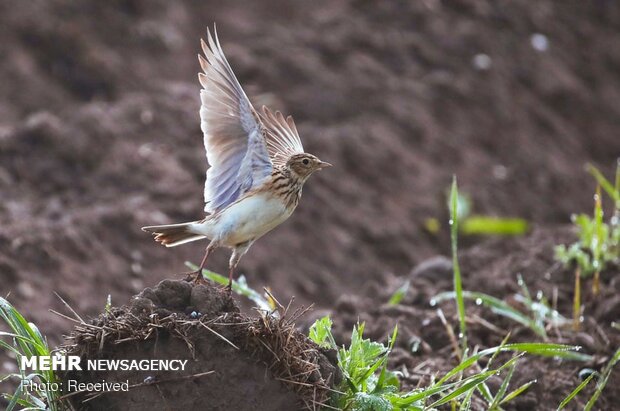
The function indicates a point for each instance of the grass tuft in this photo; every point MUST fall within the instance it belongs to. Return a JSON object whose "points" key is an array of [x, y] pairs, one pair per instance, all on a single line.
{"points": [[25, 340], [599, 242]]}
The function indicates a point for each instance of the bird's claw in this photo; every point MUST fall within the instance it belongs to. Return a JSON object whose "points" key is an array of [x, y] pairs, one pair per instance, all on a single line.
{"points": [[193, 276]]}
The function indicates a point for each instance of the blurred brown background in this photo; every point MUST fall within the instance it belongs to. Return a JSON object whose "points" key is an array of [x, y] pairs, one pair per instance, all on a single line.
{"points": [[99, 133]]}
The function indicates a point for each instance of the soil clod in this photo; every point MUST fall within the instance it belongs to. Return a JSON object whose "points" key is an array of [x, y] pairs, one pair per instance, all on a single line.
{"points": [[234, 361]]}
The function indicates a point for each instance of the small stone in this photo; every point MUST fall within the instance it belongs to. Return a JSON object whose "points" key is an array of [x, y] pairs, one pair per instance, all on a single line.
{"points": [[209, 301], [539, 42], [585, 373], [26, 290], [482, 62]]}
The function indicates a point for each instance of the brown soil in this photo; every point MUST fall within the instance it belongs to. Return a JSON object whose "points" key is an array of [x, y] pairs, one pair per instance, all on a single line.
{"points": [[99, 135], [234, 361]]}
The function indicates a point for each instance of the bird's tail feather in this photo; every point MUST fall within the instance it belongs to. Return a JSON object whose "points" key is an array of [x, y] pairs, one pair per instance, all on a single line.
{"points": [[172, 235]]}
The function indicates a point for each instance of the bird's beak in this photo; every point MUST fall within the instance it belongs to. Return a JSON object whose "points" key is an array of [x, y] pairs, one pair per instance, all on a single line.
{"points": [[324, 164]]}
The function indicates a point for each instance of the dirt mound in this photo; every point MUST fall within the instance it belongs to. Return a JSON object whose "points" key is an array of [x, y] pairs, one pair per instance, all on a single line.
{"points": [[423, 347], [234, 361]]}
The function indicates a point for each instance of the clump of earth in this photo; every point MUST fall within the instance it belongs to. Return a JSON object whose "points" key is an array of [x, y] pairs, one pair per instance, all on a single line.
{"points": [[233, 361]]}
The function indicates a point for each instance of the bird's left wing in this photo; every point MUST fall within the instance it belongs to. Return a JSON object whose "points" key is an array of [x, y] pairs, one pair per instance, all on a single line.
{"points": [[233, 135], [281, 135]]}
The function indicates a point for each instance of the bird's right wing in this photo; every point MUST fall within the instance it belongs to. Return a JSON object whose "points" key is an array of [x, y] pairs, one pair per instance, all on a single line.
{"points": [[233, 136]]}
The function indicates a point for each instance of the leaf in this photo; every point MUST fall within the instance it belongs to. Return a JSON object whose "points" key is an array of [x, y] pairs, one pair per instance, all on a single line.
{"points": [[576, 391], [458, 285], [612, 191], [321, 333], [503, 388], [514, 394], [399, 294], [484, 225], [369, 402], [468, 384], [605, 374]]}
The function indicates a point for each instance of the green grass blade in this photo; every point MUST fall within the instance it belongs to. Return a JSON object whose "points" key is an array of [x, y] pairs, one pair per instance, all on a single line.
{"points": [[458, 285], [617, 186], [612, 191], [485, 392], [514, 394], [466, 403], [15, 398], [503, 388], [600, 386], [467, 384], [399, 294], [484, 225], [576, 391], [567, 352]]}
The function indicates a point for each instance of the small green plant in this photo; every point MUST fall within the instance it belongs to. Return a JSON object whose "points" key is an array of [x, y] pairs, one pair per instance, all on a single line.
{"points": [[108, 304], [399, 294], [598, 244], [25, 340], [368, 384]]}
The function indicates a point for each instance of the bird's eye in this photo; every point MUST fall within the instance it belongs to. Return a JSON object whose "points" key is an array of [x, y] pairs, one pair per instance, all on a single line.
{"points": [[306, 161]]}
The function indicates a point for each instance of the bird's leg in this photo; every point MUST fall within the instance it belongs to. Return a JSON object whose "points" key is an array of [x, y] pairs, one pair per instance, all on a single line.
{"points": [[208, 250], [238, 252], [230, 278], [234, 260]]}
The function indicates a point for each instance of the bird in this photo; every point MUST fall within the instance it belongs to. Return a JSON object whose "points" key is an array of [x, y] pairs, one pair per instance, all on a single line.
{"points": [[257, 166]]}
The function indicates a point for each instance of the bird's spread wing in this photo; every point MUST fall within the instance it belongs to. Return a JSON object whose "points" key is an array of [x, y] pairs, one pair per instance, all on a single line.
{"points": [[233, 137], [281, 136]]}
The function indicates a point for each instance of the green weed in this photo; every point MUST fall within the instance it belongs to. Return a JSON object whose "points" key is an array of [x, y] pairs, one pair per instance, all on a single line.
{"points": [[25, 340], [599, 242], [399, 294], [369, 385]]}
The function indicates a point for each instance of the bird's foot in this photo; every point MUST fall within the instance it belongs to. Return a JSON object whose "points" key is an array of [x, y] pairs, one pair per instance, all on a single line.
{"points": [[194, 276]]}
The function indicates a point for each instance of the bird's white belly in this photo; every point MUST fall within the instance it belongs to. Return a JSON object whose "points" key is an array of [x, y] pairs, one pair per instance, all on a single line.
{"points": [[249, 219]]}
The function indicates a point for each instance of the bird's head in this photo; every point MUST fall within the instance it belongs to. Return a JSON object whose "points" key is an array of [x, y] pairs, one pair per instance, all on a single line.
{"points": [[304, 164]]}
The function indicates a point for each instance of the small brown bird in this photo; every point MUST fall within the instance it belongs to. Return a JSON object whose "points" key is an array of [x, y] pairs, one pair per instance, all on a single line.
{"points": [[258, 166]]}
